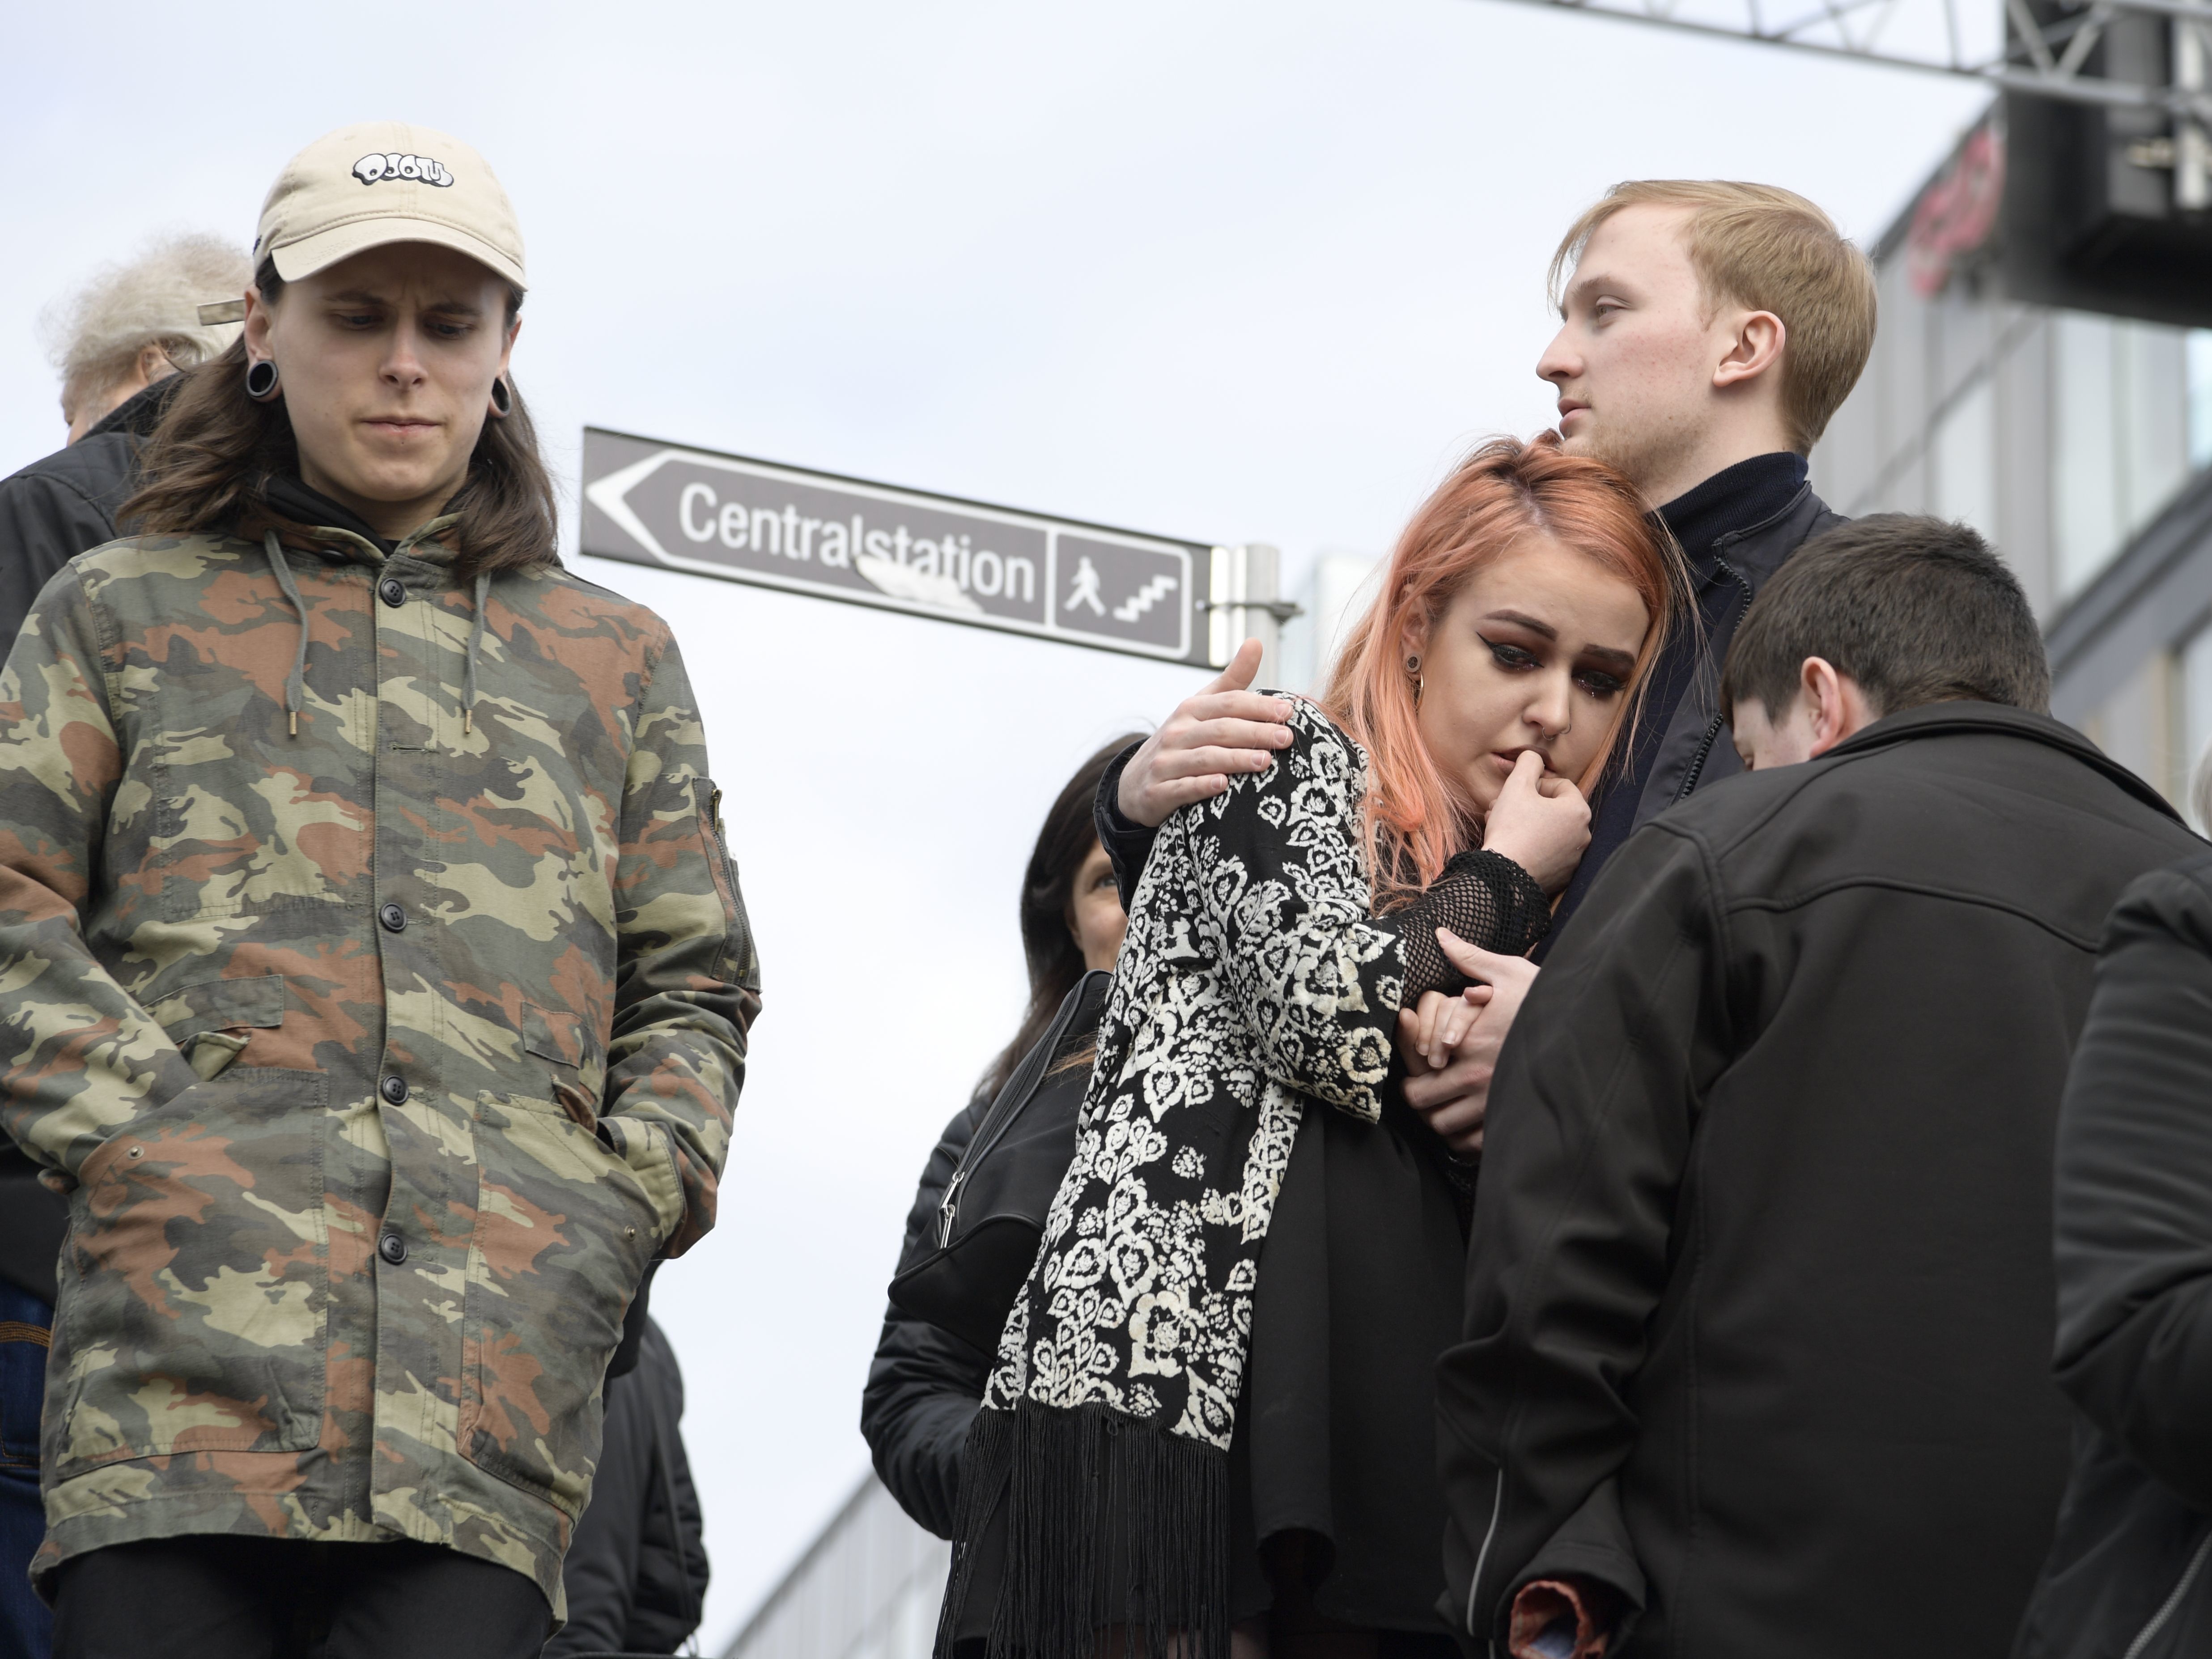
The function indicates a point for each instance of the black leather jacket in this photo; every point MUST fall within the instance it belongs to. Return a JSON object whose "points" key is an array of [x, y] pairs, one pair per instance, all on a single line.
{"points": [[925, 1384], [2130, 1570], [64, 503]]}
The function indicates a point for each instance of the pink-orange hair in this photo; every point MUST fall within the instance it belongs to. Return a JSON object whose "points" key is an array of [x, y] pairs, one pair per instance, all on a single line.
{"points": [[1415, 817]]}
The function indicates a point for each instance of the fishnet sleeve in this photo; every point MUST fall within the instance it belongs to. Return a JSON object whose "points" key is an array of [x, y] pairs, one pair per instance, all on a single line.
{"points": [[1488, 901]]}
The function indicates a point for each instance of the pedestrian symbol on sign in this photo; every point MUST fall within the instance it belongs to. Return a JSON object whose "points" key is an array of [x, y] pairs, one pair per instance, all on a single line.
{"points": [[1085, 590]]}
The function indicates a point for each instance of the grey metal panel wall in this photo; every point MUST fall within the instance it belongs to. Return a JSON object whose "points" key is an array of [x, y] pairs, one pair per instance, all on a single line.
{"points": [[868, 1588], [2152, 596], [1902, 344], [2022, 380]]}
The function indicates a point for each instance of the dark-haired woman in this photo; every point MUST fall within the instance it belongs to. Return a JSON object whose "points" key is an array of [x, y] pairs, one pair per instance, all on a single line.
{"points": [[371, 971], [925, 1384]]}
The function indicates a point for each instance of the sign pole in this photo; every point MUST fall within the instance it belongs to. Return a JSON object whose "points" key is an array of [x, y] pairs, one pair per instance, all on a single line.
{"points": [[1243, 602]]}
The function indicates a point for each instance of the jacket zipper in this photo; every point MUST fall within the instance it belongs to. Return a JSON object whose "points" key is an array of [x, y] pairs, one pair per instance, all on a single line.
{"points": [[736, 906], [1713, 726], [722, 845], [2166, 1609], [1019, 1089]]}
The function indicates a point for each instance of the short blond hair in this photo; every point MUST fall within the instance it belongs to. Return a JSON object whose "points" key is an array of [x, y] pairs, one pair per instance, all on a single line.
{"points": [[1768, 248]]}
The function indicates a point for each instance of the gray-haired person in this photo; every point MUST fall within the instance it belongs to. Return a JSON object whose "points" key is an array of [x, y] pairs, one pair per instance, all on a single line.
{"points": [[116, 342]]}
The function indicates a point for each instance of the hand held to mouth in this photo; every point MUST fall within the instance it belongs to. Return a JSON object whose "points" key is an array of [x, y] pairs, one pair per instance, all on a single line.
{"points": [[1540, 821]]}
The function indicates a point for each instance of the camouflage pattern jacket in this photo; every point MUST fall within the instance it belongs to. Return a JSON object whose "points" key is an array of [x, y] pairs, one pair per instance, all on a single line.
{"points": [[378, 1059]]}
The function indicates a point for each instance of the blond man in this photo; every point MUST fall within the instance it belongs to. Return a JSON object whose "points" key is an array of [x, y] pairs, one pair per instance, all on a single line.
{"points": [[1708, 331]]}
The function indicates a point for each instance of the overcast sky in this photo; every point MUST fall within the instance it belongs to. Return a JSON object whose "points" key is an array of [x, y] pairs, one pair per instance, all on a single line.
{"points": [[1221, 272]]}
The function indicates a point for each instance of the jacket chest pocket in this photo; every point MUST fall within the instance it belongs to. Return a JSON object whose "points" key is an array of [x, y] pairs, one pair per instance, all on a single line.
{"points": [[562, 1236], [196, 1285]]}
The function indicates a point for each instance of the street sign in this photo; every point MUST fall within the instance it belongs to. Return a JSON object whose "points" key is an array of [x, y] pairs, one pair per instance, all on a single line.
{"points": [[903, 550]]}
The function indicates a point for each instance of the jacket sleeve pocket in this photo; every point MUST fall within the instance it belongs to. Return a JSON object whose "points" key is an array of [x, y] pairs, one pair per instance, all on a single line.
{"points": [[740, 964]]}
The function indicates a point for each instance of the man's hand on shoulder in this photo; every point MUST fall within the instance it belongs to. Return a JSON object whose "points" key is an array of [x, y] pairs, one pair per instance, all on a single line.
{"points": [[1223, 729]]}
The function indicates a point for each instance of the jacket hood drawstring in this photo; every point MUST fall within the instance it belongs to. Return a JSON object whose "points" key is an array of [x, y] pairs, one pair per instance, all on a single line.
{"points": [[295, 683], [476, 641]]}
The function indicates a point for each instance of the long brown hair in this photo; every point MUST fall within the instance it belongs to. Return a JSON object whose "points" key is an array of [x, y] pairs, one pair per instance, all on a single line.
{"points": [[204, 467], [1414, 817], [1055, 960]]}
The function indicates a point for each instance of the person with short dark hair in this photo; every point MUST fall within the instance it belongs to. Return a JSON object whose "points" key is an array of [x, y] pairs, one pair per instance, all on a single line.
{"points": [[1905, 611], [1758, 1323]]}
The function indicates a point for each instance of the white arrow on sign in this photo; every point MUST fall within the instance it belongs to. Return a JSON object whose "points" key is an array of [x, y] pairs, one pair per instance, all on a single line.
{"points": [[611, 494]]}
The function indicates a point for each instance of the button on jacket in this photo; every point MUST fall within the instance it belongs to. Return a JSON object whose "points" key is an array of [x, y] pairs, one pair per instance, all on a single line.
{"points": [[355, 1207]]}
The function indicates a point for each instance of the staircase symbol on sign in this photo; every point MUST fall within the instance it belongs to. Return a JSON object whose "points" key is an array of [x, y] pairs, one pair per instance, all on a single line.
{"points": [[1144, 598]]}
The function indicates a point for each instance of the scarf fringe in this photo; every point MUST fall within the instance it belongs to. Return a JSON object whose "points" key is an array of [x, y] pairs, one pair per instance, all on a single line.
{"points": [[1066, 1476]]}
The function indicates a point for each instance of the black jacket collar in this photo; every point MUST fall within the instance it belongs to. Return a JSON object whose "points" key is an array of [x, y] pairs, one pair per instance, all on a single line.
{"points": [[1936, 720], [137, 414], [1692, 741], [1736, 501], [1758, 550]]}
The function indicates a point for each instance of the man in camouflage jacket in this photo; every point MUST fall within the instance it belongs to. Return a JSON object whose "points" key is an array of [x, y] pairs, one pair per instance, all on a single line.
{"points": [[378, 1059]]}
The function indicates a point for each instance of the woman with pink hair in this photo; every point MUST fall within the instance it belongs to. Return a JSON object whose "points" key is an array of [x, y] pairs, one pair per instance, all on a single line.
{"points": [[1210, 1417]]}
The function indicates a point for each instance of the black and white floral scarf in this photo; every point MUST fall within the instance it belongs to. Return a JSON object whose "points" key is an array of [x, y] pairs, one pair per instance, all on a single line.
{"points": [[1254, 979]]}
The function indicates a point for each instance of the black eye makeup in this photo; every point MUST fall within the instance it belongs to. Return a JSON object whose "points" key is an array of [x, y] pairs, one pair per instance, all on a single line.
{"points": [[1509, 656], [1592, 682]]}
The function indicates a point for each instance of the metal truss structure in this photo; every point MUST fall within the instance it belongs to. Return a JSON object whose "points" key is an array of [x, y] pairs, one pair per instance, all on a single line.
{"points": [[2040, 50]]}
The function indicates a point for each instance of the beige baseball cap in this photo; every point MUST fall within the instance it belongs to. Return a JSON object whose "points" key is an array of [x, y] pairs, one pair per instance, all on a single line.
{"points": [[386, 181]]}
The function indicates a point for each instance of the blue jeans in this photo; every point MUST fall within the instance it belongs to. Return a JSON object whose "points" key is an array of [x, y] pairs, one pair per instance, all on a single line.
{"points": [[26, 1627]]}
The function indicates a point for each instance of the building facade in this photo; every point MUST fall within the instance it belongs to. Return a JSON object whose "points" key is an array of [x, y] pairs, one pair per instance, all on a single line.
{"points": [[869, 1586], [2075, 442]]}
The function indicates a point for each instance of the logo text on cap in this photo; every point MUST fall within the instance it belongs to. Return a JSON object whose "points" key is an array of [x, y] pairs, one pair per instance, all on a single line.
{"points": [[422, 169]]}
